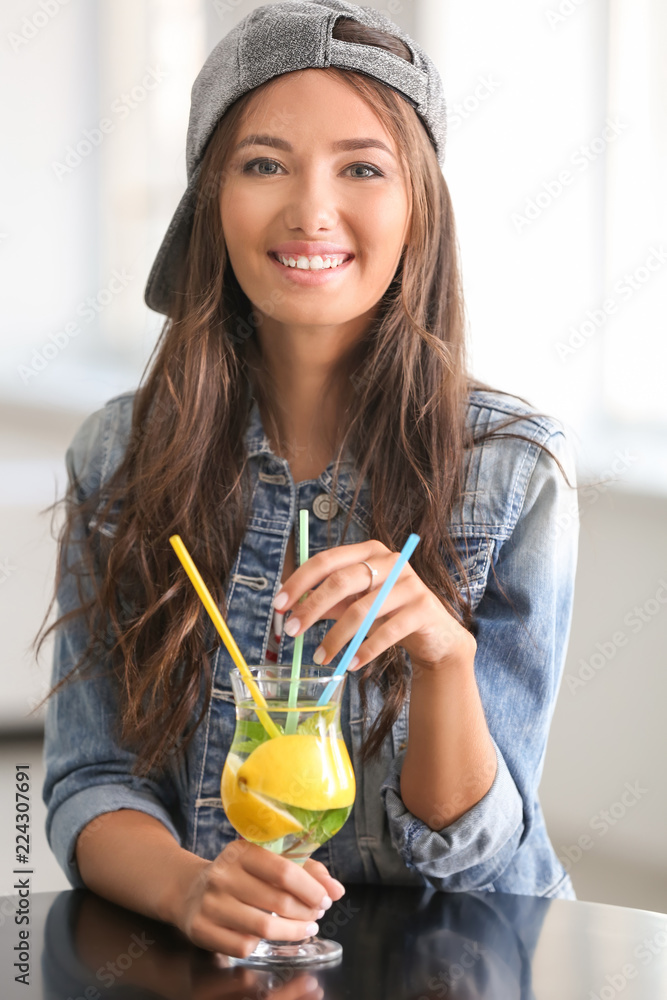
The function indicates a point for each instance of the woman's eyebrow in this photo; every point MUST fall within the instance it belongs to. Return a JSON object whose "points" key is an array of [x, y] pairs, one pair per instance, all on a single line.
{"points": [[363, 142]]}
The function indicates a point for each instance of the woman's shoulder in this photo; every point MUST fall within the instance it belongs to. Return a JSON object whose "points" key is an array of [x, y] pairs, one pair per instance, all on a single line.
{"points": [[100, 442], [486, 408], [502, 464]]}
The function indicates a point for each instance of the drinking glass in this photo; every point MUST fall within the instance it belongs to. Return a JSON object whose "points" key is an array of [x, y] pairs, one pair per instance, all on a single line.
{"points": [[293, 792]]}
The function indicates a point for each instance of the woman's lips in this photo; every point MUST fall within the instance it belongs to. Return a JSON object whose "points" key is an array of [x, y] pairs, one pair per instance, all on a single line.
{"points": [[302, 276]]}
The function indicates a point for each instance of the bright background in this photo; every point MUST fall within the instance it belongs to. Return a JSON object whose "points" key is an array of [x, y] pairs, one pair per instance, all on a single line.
{"points": [[556, 159]]}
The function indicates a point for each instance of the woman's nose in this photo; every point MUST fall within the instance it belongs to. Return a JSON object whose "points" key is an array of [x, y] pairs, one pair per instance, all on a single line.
{"points": [[311, 203]]}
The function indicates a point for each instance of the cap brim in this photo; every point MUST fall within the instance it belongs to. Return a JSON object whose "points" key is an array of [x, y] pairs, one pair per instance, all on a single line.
{"points": [[165, 274]]}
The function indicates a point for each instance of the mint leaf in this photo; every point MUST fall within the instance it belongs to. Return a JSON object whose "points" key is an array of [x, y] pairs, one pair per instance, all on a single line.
{"points": [[247, 747], [333, 820], [305, 817], [254, 730], [255, 734], [321, 825], [318, 723]]}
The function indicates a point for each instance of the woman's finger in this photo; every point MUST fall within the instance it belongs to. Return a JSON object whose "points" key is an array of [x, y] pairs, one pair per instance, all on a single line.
{"points": [[231, 913], [211, 936], [347, 584], [309, 577], [331, 885], [404, 622], [344, 630], [284, 875], [255, 892]]}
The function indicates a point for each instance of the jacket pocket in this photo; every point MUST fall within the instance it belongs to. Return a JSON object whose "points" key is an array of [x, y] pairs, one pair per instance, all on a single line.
{"points": [[475, 553]]}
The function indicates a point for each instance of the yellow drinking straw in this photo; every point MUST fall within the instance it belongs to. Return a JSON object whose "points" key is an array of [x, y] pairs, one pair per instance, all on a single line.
{"points": [[225, 634]]}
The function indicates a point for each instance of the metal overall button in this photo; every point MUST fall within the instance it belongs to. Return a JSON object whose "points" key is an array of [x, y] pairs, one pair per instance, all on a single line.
{"points": [[325, 507]]}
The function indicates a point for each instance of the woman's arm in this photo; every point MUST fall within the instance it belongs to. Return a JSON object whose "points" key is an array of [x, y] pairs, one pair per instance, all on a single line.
{"points": [[450, 761], [132, 859], [518, 664], [87, 774]]}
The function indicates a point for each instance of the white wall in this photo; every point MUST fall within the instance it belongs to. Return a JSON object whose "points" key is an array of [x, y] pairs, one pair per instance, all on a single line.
{"points": [[608, 730]]}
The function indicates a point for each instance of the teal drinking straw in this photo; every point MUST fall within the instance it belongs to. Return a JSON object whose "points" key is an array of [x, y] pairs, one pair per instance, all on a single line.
{"points": [[406, 552], [290, 724]]}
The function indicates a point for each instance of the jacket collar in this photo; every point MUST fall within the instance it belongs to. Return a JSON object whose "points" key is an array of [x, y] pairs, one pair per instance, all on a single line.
{"points": [[257, 444]]}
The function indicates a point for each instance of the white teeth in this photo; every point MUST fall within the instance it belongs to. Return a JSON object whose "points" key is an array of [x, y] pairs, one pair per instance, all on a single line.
{"points": [[316, 263]]}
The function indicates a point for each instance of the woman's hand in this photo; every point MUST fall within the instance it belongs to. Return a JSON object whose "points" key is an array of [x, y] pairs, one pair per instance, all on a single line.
{"points": [[411, 614], [230, 903]]}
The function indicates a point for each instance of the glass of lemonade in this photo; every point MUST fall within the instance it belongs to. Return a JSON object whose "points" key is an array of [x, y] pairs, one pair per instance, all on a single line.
{"points": [[293, 792]]}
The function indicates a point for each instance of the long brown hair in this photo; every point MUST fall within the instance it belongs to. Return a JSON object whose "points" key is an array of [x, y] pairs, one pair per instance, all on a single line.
{"points": [[407, 396]]}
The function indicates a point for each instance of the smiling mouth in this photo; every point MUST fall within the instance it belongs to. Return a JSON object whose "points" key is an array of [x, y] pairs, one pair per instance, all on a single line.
{"points": [[329, 261]]}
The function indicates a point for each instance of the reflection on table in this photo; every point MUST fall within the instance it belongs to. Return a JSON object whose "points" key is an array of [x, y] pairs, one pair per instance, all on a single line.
{"points": [[397, 943]]}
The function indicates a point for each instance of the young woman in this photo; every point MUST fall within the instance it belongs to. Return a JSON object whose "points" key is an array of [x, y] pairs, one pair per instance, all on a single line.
{"points": [[343, 389]]}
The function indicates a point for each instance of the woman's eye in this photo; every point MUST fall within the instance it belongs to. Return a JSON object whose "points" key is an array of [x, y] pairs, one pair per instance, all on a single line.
{"points": [[366, 166], [253, 163], [248, 168]]}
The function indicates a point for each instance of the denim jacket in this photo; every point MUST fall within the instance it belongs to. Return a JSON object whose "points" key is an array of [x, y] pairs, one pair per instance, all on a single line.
{"points": [[517, 514]]}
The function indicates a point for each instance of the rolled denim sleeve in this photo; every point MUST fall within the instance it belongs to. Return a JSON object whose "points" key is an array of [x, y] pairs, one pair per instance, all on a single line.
{"points": [[521, 647], [86, 772]]}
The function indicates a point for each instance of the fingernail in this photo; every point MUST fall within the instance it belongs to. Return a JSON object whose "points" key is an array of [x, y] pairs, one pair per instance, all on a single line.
{"points": [[353, 662], [321, 914], [280, 600], [326, 902], [310, 983], [339, 884], [319, 654], [312, 929], [292, 626]]}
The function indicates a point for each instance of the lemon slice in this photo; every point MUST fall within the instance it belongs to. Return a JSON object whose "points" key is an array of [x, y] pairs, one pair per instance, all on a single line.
{"points": [[301, 769], [254, 816]]}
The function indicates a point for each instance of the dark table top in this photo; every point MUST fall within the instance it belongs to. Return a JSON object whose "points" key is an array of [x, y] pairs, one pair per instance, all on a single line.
{"points": [[397, 943]]}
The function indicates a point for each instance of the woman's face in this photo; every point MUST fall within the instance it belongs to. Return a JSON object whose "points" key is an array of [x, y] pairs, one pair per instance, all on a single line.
{"points": [[357, 199]]}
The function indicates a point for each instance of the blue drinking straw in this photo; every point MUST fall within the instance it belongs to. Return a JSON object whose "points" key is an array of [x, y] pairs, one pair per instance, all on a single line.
{"points": [[406, 552]]}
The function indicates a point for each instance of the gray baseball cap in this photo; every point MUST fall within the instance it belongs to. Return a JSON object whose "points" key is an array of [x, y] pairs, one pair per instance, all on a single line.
{"points": [[282, 38]]}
